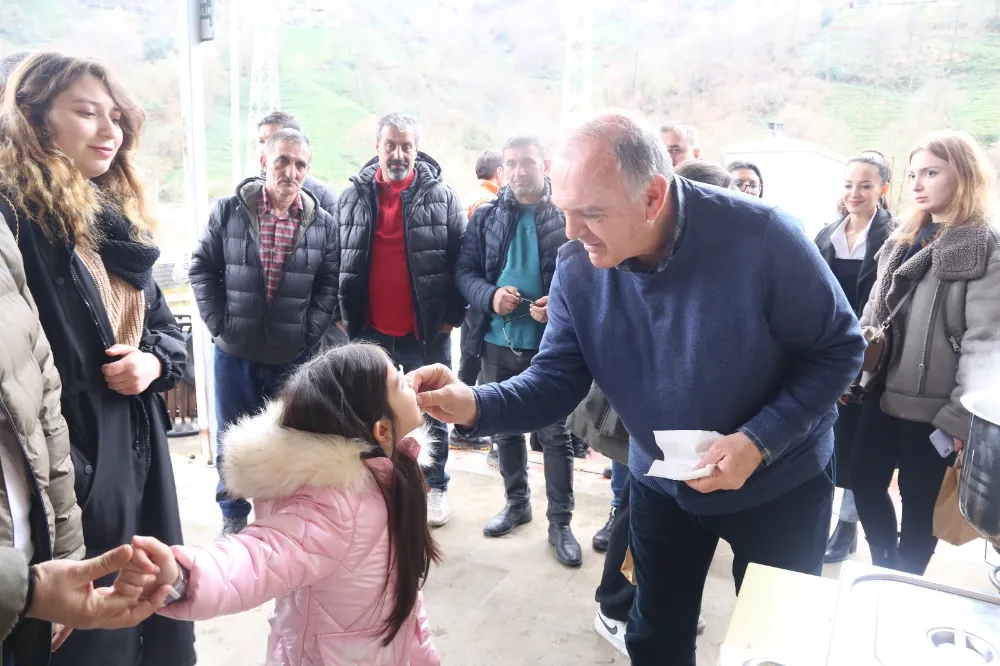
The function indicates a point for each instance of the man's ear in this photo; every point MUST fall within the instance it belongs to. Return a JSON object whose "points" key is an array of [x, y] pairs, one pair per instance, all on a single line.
{"points": [[546, 166], [263, 161], [697, 153]]}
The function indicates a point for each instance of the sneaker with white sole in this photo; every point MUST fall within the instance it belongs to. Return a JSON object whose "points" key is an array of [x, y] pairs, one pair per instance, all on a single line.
{"points": [[438, 510], [610, 630]]}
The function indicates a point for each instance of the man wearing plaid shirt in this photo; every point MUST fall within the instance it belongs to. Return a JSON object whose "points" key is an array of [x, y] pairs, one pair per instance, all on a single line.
{"points": [[265, 278]]}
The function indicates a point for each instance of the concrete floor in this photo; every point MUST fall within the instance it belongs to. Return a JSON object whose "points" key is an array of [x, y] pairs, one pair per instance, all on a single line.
{"points": [[504, 602]]}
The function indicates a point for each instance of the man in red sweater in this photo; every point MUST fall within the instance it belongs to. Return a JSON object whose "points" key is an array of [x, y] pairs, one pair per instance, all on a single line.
{"points": [[401, 231]]}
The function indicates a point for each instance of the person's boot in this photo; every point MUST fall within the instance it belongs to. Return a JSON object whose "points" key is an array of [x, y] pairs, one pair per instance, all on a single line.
{"points": [[568, 550], [513, 515], [607, 472], [461, 442], [843, 543], [603, 535]]}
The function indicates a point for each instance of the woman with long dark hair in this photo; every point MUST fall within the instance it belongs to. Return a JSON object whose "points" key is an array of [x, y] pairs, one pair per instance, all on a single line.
{"points": [[849, 247], [937, 298], [72, 198], [341, 538]]}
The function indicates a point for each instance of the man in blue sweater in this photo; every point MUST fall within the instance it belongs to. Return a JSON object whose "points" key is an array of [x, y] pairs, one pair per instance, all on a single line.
{"points": [[693, 308]]}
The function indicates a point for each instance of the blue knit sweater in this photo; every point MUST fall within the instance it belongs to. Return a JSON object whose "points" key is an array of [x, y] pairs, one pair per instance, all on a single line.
{"points": [[745, 329]]}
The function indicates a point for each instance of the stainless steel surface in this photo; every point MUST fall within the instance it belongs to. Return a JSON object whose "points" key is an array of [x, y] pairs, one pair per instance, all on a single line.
{"points": [[889, 619], [979, 487]]}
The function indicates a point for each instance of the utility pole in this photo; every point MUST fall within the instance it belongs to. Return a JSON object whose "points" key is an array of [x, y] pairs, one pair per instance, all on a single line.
{"points": [[235, 133], [264, 91], [196, 198], [577, 84]]}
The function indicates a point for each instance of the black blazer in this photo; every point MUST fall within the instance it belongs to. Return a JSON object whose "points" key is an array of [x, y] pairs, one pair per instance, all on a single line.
{"points": [[881, 227]]}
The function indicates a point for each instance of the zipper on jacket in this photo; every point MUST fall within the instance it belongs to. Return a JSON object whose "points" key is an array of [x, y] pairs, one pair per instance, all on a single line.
{"points": [[921, 384], [409, 269], [50, 547], [90, 308]]}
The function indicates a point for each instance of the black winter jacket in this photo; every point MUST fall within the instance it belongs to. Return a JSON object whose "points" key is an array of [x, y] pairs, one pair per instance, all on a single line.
{"points": [[433, 222], [484, 255], [325, 196], [228, 281], [124, 477]]}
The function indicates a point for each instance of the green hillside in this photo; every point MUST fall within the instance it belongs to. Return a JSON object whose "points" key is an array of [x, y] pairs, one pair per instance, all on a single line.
{"points": [[877, 75]]}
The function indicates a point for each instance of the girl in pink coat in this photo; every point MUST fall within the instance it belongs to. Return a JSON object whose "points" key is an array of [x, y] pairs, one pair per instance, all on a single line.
{"points": [[340, 538]]}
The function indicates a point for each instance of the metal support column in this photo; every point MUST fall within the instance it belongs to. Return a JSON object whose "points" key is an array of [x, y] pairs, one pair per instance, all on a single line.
{"points": [[196, 198]]}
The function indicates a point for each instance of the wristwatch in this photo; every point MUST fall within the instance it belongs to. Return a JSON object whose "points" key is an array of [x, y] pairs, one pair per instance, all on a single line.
{"points": [[179, 586]]}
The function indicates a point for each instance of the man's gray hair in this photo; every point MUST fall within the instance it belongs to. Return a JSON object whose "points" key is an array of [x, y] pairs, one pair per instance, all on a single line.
{"points": [[636, 148], [400, 122], [286, 135], [689, 132]]}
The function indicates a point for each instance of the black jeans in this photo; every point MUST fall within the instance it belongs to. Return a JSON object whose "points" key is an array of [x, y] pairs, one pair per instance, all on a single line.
{"points": [[241, 389], [615, 593], [884, 441], [673, 549], [500, 364], [411, 353], [469, 365]]}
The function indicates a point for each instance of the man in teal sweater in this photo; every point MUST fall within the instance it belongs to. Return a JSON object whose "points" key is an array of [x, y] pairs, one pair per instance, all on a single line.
{"points": [[504, 271], [693, 308]]}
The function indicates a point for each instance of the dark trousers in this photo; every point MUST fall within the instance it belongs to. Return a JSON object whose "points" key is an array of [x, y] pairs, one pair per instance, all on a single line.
{"points": [[673, 549], [7, 654], [411, 353], [469, 365], [883, 442], [615, 594], [241, 389], [500, 364]]}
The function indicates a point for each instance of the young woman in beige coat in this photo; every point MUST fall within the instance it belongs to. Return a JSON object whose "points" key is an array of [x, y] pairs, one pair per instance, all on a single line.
{"points": [[943, 265]]}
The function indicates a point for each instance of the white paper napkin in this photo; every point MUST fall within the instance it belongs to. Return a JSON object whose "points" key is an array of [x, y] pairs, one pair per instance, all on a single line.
{"points": [[682, 450]]}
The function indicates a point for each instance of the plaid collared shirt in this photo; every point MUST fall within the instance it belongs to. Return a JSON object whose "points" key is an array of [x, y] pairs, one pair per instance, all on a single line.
{"points": [[633, 265], [277, 237]]}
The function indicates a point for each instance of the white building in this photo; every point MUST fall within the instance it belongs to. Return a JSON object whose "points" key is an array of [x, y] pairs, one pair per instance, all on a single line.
{"points": [[804, 178]]}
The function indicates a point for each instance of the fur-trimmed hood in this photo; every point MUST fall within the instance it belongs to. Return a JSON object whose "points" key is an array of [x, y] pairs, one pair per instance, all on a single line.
{"points": [[264, 460]]}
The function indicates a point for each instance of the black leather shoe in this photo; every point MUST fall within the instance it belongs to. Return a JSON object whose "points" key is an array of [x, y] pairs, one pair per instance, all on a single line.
{"points": [[504, 522], [603, 536], [843, 543], [568, 550]]}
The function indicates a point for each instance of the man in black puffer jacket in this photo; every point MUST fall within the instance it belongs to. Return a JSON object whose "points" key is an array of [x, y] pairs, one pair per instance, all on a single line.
{"points": [[507, 263], [265, 278], [401, 232]]}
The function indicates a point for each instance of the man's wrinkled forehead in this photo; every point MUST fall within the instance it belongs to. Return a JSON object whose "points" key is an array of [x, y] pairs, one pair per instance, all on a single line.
{"points": [[292, 152], [581, 170]]}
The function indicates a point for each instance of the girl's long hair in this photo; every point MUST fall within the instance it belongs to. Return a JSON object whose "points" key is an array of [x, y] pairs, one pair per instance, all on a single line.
{"points": [[41, 178], [972, 203], [343, 392]]}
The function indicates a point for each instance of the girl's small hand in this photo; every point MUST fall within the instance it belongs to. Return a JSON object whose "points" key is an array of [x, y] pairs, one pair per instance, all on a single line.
{"points": [[152, 566], [161, 556], [959, 445]]}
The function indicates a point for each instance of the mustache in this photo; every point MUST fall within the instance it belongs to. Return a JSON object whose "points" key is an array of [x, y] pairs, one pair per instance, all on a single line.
{"points": [[398, 164]]}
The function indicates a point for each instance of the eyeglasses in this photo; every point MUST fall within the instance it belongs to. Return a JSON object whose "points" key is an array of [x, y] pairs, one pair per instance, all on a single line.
{"points": [[748, 187]]}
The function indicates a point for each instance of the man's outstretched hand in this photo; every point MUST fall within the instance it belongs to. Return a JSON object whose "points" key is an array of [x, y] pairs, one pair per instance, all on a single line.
{"points": [[64, 593], [442, 396]]}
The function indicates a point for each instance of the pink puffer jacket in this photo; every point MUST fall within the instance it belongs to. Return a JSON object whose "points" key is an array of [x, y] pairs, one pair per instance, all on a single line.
{"points": [[319, 545]]}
